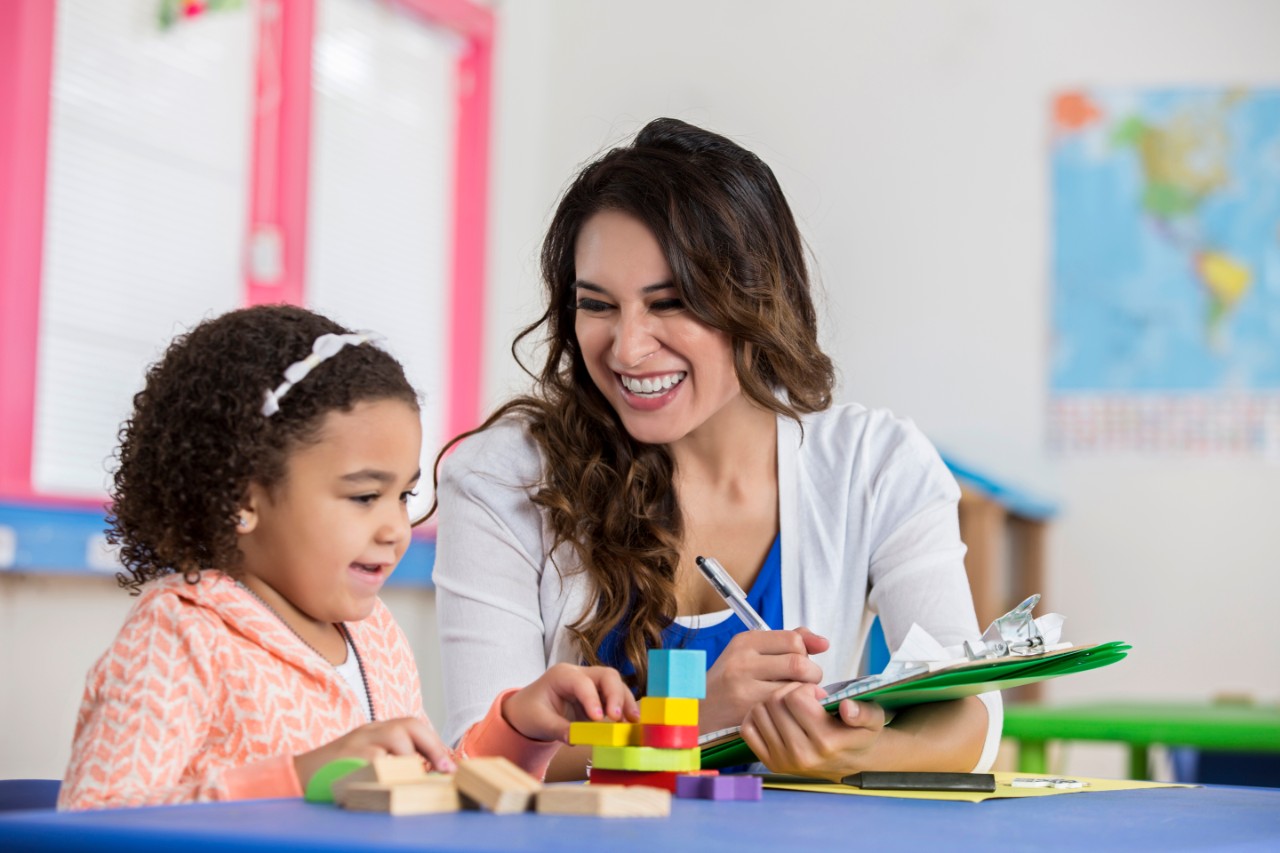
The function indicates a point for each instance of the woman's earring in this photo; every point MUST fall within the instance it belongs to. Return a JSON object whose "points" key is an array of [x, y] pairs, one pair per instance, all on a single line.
{"points": [[243, 522]]}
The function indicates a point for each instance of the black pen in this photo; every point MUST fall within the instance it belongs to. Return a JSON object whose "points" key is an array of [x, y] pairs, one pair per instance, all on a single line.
{"points": [[882, 780]]}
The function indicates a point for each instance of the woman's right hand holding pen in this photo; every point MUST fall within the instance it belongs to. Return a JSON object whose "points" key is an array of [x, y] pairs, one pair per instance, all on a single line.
{"points": [[752, 668]]}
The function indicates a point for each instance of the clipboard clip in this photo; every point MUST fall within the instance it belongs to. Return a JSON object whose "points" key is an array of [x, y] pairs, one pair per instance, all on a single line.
{"points": [[1014, 633]]}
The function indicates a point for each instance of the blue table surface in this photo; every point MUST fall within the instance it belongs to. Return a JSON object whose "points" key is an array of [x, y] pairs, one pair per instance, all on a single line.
{"points": [[1156, 819]]}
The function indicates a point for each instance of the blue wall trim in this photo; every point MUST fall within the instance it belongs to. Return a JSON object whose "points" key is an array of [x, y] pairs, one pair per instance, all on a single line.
{"points": [[69, 540]]}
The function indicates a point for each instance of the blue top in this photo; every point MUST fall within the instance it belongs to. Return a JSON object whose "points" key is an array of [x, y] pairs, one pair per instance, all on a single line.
{"points": [[765, 596]]}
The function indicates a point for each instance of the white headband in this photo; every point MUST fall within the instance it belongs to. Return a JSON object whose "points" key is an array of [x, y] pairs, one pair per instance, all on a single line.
{"points": [[325, 347]]}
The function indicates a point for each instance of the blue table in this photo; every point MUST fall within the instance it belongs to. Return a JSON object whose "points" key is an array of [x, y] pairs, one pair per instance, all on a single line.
{"points": [[1156, 819]]}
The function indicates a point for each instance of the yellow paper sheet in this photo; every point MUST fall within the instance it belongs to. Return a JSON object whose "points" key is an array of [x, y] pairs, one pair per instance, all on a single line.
{"points": [[1004, 788]]}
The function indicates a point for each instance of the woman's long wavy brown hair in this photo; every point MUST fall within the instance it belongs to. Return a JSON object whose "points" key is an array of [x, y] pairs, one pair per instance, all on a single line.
{"points": [[197, 436], [737, 260]]}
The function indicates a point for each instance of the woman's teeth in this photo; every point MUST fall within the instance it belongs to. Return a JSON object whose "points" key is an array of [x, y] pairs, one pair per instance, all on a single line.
{"points": [[652, 385]]}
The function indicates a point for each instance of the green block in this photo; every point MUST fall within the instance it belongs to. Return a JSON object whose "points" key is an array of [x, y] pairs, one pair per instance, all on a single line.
{"points": [[320, 788], [646, 758]]}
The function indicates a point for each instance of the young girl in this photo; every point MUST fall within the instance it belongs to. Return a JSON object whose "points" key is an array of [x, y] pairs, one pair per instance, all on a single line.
{"points": [[260, 505]]}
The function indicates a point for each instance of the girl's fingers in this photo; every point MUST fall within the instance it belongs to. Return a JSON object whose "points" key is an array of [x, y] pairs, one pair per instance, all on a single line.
{"points": [[613, 692], [584, 692], [428, 744]]}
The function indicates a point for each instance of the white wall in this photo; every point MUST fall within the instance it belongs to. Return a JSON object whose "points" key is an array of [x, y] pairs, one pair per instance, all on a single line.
{"points": [[911, 138]]}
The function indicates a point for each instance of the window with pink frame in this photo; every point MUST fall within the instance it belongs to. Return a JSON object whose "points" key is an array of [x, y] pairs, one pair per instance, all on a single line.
{"points": [[334, 107]]}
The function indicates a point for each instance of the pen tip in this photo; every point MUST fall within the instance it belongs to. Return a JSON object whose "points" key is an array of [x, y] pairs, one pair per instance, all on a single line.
{"points": [[698, 560]]}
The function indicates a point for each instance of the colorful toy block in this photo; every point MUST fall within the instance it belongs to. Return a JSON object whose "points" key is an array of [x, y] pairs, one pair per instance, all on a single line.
{"points": [[320, 786], [668, 711], [604, 801], [497, 785], [668, 737], [678, 673], [665, 781], [605, 734], [732, 787], [645, 758]]}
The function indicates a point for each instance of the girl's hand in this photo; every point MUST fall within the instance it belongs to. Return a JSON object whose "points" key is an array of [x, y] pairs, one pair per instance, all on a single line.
{"points": [[752, 668], [567, 693], [792, 733], [403, 736]]}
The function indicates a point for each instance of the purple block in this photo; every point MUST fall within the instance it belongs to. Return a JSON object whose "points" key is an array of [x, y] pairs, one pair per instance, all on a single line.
{"points": [[719, 787], [691, 787]]}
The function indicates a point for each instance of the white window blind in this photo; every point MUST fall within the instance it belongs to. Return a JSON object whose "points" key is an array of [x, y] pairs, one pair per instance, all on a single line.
{"points": [[381, 189], [145, 215]]}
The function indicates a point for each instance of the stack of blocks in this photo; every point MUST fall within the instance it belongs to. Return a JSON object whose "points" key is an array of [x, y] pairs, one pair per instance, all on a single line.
{"points": [[661, 751]]}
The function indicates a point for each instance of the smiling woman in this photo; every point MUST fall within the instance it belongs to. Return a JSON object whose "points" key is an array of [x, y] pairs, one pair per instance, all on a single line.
{"points": [[684, 409]]}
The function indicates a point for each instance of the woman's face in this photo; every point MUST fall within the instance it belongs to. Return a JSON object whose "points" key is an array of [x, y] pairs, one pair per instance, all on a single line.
{"points": [[665, 372]]}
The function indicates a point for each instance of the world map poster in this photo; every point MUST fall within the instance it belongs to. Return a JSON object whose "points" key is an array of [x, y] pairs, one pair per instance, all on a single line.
{"points": [[1165, 300]]}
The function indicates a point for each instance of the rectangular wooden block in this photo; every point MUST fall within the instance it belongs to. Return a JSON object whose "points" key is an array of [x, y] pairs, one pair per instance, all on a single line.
{"points": [[665, 781], [677, 673], [496, 785], [605, 734], [668, 711], [437, 794], [668, 737], [645, 758], [604, 800], [385, 770]]}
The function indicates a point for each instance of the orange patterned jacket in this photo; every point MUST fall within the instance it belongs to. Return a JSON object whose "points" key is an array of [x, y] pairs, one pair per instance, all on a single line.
{"points": [[206, 695]]}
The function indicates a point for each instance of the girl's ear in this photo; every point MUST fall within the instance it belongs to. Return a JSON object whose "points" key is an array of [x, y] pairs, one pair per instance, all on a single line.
{"points": [[247, 517]]}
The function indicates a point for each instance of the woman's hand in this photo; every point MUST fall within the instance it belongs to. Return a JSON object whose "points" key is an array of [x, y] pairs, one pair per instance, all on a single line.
{"points": [[752, 668], [403, 736], [567, 693], [791, 732]]}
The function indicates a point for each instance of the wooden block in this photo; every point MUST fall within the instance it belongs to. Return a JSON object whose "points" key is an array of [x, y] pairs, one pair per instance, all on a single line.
{"points": [[665, 781], [605, 734], [435, 794], [604, 801], [668, 737], [496, 785], [668, 711], [385, 770], [645, 758], [677, 673]]}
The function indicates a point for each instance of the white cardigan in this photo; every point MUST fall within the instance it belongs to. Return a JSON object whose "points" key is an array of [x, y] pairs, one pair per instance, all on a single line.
{"points": [[867, 515]]}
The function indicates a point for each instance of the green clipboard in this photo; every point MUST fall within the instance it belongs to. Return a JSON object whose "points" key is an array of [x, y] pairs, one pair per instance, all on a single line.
{"points": [[968, 679]]}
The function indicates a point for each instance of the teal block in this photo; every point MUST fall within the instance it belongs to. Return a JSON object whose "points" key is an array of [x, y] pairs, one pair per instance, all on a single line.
{"points": [[678, 673]]}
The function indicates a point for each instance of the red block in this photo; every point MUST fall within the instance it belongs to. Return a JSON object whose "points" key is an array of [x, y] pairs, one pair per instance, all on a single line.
{"points": [[668, 737], [666, 780]]}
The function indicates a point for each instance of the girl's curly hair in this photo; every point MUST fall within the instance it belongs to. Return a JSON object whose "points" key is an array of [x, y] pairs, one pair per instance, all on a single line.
{"points": [[198, 438], [738, 264]]}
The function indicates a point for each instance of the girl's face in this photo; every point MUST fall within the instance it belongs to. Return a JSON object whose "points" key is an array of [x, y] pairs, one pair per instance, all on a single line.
{"points": [[666, 373], [328, 536]]}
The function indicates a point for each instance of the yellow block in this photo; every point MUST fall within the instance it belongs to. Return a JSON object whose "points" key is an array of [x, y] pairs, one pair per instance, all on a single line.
{"points": [[646, 758], [604, 734], [669, 711]]}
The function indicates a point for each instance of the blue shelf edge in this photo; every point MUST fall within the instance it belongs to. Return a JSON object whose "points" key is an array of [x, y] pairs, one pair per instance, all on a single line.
{"points": [[72, 541], [1014, 500]]}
